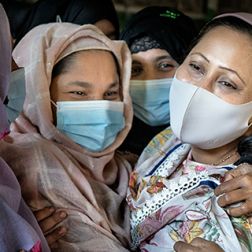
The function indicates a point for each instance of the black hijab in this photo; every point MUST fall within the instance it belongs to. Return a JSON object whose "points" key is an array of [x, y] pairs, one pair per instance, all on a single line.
{"points": [[155, 27], [72, 11], [172, 29]]}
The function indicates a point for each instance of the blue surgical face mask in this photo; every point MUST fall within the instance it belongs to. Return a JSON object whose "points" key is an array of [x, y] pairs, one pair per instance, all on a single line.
{"points": [[151, 100], [91, 124], [16, 94]]}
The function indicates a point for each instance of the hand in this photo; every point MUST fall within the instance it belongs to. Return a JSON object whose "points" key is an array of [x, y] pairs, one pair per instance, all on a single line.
{"points": [[48, 218], [237, 188], [197, 245]]}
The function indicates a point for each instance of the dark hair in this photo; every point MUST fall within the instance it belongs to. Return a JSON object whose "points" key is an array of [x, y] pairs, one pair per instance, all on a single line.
{"points": [[245, 151], [63, 65], [229, 22]]}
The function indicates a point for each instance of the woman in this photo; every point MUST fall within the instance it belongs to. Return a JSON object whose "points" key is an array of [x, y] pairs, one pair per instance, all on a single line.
{"points": [[100, 13], [77, 112], [156, 54], [172, 189], [18, 228]]}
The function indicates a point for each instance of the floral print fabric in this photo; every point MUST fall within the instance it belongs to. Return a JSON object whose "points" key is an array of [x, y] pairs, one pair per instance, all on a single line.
{"points": [[172, 198]]}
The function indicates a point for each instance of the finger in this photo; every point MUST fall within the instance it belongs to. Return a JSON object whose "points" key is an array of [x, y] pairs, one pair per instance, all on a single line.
{"points": [[233, 197], [55, 235], [233, 184], [241, 169], [242, 209], [200, 242], [250, 220], [52, 221], [184, 247], [43, 213], [205, 245]]}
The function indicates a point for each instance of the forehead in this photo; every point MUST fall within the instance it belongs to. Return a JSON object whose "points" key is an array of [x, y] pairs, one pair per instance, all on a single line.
{"points": [[150, 55], [227, 47], [225, 38]]}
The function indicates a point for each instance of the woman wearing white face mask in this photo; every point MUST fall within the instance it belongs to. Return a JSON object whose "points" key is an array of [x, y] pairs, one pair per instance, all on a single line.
{"points": [[77, 112], [156, 54], [187, 185]]}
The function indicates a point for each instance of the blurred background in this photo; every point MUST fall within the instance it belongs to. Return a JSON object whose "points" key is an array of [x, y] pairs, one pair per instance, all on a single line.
{"points": [[199, 10]]}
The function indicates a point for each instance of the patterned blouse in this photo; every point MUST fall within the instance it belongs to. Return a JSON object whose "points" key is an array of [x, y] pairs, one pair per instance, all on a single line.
{"points": [[172, 198]]}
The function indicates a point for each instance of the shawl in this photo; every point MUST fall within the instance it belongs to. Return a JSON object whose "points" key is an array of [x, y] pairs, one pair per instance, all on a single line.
{"points": [[18, 227], [52, 169], [172, 198]]}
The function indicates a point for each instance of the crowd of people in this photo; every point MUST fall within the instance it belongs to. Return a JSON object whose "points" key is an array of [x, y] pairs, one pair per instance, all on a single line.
{"points": [[136, 139]]}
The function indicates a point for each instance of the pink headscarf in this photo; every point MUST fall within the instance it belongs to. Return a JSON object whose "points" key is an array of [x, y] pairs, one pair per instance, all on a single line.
{"points": [[52, 169], [18, 227]]}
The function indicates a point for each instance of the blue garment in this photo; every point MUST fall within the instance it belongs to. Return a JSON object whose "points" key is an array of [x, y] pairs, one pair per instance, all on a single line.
{"points": [[16, 94], [91, 124], [151, 100]]}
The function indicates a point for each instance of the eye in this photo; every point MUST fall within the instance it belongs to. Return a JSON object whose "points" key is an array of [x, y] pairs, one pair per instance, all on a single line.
{"points": [[165, 66], [228, 85], [79, 93], [112, 95], [197, 68], [136, 70]]}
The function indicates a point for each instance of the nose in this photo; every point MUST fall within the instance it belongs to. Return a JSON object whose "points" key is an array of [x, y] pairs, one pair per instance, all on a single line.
{"points": [[150, 74], [206, 84], [98, 96]]}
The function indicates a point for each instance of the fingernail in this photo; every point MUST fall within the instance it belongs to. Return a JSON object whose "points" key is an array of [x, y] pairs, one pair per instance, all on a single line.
{"points": [[62, 231], [63, 215], [51, 209]]}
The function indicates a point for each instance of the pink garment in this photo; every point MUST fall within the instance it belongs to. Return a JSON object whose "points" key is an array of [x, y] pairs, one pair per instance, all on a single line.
{"points": [[52, 169], [18, 227]]}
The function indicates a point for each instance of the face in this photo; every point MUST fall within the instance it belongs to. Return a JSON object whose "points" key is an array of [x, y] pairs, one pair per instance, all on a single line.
{"points": [[92, 75], [152, 64], [221, 65], [107, 28]]}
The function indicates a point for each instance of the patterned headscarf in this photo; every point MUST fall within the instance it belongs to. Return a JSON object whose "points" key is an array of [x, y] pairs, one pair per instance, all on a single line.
{"points": [[168, 27]]}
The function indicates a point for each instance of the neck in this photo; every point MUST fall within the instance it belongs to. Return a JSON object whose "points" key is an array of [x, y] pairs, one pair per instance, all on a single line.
{"points": [[226, 154]]}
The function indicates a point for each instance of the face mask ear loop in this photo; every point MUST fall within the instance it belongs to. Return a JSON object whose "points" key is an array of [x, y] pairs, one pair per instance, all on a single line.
{"points": [[53, 103], [250, 122]]}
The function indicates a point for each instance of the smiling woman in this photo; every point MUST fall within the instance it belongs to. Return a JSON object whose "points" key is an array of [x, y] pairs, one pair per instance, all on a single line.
{"points": [[77, 112], [187, 186]]}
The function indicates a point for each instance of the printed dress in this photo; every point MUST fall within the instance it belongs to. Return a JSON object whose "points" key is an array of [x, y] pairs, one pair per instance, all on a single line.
{"points": [[172, 198]]}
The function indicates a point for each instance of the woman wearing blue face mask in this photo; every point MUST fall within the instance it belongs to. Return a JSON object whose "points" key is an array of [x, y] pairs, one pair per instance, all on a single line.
{"points": [[100, 13], [77, 112], [158, 38], [191, 189]]}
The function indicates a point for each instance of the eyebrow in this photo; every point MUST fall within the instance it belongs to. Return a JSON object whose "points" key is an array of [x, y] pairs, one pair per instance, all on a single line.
{"points": [[163, 57], [222, 67], [89, 85], [135, 61]]}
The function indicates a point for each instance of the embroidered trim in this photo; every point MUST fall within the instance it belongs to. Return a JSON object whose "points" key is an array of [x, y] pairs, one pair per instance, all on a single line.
{"points": [[184, 184]]}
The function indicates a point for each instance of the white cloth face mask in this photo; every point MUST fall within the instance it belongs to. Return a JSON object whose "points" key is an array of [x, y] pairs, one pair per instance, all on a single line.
{"points": [[202, 119]]}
